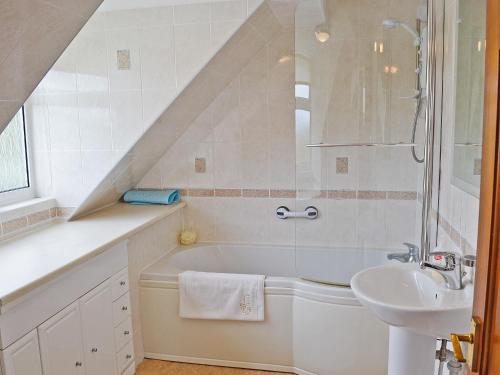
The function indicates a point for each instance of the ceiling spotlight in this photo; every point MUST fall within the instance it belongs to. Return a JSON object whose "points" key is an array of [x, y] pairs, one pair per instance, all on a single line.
{"points": [[322, 33]]}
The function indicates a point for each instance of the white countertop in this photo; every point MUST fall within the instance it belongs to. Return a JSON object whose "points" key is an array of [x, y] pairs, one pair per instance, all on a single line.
{"points": [[32, 259]]}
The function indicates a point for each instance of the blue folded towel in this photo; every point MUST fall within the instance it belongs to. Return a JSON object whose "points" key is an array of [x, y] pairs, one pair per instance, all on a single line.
{"points": [[152, 196]]}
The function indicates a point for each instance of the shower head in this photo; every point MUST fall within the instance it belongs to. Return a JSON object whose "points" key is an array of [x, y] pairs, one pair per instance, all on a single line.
{"points": [[392, 23]]}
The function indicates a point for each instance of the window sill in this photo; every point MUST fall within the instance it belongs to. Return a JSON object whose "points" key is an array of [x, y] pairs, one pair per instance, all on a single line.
{"points": [[19, 216]]}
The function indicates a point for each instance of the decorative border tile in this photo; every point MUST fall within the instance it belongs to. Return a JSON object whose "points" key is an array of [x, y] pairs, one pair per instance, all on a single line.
{"points": [[371, 194], [199, 192], [402, 195], [282, 194], [14, 225], [24, 222], [342, 194], [311, 194], [255, 193], [228, 192]]}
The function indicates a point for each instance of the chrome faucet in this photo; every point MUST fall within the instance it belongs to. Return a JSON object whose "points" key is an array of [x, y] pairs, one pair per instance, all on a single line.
{"points": [[412, 256], [452, 270]]}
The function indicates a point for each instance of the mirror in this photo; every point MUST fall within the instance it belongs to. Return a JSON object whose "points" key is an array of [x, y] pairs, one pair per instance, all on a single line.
{"points": [[469, 94]]}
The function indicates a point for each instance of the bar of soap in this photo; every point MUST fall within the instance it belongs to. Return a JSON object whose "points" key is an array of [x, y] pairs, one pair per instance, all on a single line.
{"points": [[188, 237]]}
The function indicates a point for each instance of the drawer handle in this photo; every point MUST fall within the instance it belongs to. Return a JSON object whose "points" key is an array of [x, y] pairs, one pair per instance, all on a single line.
{"points": [[78, 364], [128, 356], [122, 283], [124, 308], [126, 333], [94, 350]]}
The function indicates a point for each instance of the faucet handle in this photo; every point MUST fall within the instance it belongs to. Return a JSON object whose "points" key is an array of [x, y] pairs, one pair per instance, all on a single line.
{"points": [[469, 260], [411, 247], [451, 259], [414, 252]]}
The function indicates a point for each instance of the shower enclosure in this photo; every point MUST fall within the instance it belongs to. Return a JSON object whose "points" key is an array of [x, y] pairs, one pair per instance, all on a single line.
{"points": [[360, 79]]}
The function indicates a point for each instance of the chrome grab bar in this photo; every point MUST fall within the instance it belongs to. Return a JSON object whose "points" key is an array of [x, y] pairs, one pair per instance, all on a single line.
{"points": [[310, 213], [397, 144]]}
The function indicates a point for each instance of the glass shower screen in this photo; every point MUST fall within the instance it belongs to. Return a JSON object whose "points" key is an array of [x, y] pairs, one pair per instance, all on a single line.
{"points": [[360, 102]]}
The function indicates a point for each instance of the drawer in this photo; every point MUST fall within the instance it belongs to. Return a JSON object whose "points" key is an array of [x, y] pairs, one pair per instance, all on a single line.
{"points": [[121, 309], [123, 333], [119, 284], [130, 370], [125, 357]]}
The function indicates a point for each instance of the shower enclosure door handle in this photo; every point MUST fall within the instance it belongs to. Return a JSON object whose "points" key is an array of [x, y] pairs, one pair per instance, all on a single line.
{"points": [[310, 213]]}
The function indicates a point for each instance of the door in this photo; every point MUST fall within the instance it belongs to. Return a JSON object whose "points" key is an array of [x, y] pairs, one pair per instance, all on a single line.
{"points": [[98, 334], [23, 356], [61, 343], [486, 356]]}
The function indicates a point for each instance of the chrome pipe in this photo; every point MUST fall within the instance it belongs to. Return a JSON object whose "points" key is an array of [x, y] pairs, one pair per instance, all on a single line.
{"points": [[425, 245], [396, 144]]}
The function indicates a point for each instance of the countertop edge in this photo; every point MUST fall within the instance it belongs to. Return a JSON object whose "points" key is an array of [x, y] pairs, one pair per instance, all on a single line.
{"points": [[21, 292]]}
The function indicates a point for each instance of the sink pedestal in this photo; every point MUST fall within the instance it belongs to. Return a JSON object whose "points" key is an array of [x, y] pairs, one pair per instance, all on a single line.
{"points": [[410, 353]]}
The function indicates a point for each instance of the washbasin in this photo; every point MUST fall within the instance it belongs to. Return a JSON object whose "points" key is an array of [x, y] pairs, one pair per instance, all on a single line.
{"points": [[403, 295]]}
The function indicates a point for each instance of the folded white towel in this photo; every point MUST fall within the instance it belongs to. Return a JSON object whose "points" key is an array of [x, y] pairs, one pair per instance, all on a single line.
{"points": [[221, 296]]}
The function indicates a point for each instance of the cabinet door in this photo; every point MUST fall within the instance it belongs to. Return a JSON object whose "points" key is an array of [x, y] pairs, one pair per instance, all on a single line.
{"points": [[61, 343], [23, 356], [98, 331]]}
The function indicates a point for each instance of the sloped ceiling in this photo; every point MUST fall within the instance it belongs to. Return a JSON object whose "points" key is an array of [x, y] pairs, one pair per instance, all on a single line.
{"points": [[33, 34], [266, 22]]}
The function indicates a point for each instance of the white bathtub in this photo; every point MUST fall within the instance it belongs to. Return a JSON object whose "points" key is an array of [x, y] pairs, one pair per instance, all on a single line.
{"points": [[309, 328]]}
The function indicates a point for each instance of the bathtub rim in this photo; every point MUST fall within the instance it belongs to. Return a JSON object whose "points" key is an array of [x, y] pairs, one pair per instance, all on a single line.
{"points": [[274, 285]]}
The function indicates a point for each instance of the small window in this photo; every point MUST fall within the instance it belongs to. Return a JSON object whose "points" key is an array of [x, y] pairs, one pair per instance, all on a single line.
{"points": [[302, 91], [14, 169]]}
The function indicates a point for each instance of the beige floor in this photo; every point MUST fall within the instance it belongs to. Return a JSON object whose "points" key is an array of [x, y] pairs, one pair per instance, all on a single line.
{"points": [[154, 367]]}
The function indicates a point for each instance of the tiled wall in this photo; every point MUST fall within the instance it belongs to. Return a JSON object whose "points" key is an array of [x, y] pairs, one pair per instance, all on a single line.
{"points": [[145, 248], [33, 33], [247, 138], [121, 71], [459, 210], [220, 71]]}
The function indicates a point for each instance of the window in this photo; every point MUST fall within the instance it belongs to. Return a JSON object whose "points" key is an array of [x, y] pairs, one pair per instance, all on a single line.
{"points": [[14, 162], [302, 91]]}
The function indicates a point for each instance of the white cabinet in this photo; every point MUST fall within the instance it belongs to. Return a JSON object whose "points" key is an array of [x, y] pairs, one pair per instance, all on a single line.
{"points": [[98, 332], [61, 343], [88, 337], [23, 357], [90, 334]]}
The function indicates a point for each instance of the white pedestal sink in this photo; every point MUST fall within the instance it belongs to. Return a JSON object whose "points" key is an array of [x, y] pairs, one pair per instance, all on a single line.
{"points": [[418, 307]]}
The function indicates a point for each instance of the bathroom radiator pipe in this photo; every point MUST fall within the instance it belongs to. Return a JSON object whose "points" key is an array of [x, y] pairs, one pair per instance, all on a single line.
{"points": [[443, 355], [429, 134]]}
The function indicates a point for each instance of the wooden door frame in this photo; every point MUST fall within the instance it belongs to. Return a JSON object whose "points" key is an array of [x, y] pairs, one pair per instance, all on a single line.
{"points": [[486, 299]]}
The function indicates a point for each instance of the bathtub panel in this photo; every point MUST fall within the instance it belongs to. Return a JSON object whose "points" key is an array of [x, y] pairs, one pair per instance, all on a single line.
{"points": [[338, 339], [268, 342]]}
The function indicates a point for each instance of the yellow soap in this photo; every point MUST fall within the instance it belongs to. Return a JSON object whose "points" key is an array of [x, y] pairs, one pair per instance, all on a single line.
{"points": [[188, 237]]}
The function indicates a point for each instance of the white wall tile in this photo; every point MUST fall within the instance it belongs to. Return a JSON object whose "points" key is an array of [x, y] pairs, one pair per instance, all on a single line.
{"points": [[227, 165], [92, 62], [66, 171], [95, 164], [94, 121], [126, 118], [192, 13], [128, 40], [157, 57], [63, 122], [228, 10]]}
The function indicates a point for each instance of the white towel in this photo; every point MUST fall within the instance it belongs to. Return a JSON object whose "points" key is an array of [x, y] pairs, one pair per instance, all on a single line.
{"points": [[221, 296]]}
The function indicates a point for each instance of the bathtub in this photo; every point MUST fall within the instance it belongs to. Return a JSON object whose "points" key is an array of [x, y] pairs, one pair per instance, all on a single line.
{"points": [[309, 327]]}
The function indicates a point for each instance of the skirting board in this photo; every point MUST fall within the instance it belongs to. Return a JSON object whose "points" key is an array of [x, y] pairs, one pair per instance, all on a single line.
{"points": [[223, 363]]}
